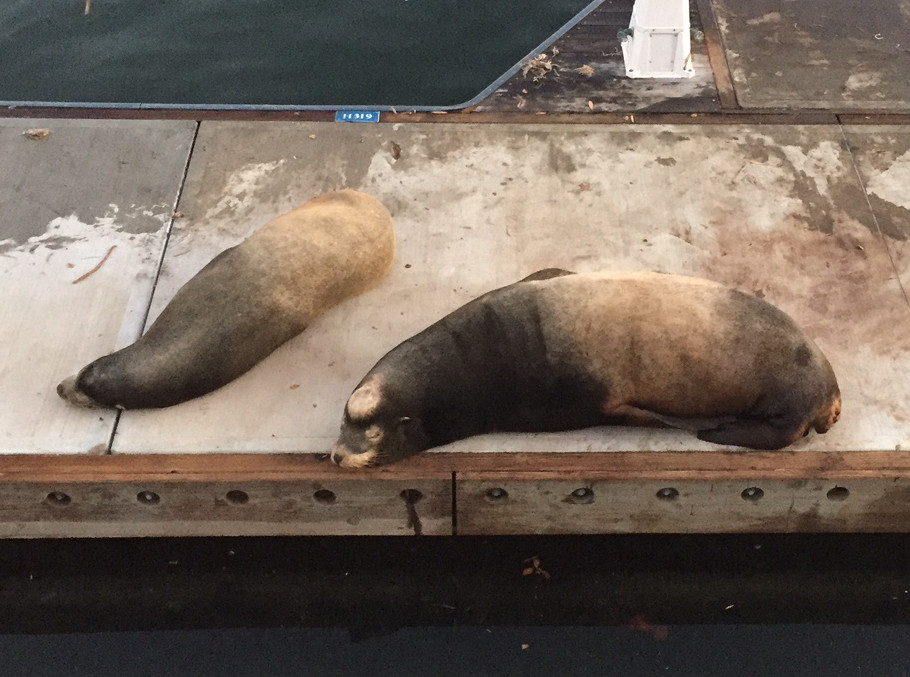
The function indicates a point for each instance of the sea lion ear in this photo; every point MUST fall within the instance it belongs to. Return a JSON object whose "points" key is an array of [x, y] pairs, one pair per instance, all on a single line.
{"points": [[363, 402]]}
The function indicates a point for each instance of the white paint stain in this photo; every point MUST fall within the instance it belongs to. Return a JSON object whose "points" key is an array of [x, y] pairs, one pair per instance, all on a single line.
{"points": [[862, 80], [769, 18], [50, 327], [891, 184], [821, 162], [242, 186]]}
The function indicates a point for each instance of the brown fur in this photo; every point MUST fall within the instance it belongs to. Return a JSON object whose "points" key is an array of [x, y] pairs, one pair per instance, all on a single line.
{"points": [[245, 303], [559, 351], [666, 316]]}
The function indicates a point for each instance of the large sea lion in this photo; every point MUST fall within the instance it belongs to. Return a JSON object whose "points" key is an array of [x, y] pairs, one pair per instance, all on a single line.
{"points": [[245, 303], [560, 351]]}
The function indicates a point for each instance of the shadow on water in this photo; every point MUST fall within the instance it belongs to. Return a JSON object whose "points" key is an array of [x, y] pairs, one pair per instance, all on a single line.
{"points": [[626, 605]]}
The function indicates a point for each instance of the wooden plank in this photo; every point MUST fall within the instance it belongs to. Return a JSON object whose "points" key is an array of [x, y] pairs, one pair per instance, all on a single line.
{"points": [[277, 508], [433, 465], [283, 494], [228, 468], [726, 117], [687, 465], [812, 55], [754, 504], [717, 57], [56, 497], [892, 119], [85, 210], [765, 117]]}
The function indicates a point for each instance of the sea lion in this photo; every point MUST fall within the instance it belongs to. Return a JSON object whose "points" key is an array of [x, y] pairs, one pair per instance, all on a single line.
{"points": [[562, 351], [245, 303]]}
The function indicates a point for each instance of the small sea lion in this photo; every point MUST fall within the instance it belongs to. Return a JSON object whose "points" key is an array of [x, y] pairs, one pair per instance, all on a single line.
{"points": [[563, 351], [245, 303]]}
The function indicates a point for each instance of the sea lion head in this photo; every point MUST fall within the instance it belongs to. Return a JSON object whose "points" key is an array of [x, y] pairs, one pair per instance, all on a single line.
{"points": [[69, 390], [95, 384], [76, 389], [376, 429]]}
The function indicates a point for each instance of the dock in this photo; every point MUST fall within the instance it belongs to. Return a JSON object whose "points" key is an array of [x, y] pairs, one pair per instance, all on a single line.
{"points": [[781, 168]]}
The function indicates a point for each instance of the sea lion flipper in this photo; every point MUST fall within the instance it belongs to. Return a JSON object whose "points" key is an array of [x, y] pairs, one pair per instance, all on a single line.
{"points": [[692, 423], [751, 432], [546, 274]]}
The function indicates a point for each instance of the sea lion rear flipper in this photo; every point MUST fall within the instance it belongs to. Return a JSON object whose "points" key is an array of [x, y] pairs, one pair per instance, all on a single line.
{"points": [[633, 415], [692, 423], [752, 433]]}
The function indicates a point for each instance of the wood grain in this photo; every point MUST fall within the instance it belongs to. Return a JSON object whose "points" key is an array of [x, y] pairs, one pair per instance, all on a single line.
{"points": [[286, 494], [752, 504]]}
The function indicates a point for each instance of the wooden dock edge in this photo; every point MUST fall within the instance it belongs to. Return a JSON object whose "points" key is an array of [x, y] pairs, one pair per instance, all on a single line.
{"points": [[50, 496]]}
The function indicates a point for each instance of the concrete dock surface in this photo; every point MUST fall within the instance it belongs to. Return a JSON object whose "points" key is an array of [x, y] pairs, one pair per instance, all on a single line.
{"points": [[810, 217]]}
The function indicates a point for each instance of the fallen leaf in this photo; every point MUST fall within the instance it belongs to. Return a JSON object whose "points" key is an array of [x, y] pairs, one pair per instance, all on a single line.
{"points": [[311, 136], [37, 134], [541, 66], [295, 386], [591, 105], [586, 71], [396, 150]]}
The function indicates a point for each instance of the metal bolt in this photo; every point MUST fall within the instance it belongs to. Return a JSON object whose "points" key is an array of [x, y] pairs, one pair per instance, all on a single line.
{"points": [[496, 494], [148, 498], [752, 494]]}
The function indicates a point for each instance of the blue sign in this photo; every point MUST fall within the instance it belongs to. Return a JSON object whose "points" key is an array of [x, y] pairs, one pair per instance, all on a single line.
{"points": [[357, 116]]}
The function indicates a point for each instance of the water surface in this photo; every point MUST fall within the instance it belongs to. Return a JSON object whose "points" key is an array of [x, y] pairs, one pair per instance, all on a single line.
{"points": [[407, 53]]}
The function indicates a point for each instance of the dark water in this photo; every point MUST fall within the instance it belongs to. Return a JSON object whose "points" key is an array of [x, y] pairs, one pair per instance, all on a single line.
{"points": [[406, 53], [686, 651], [693, 606]]}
